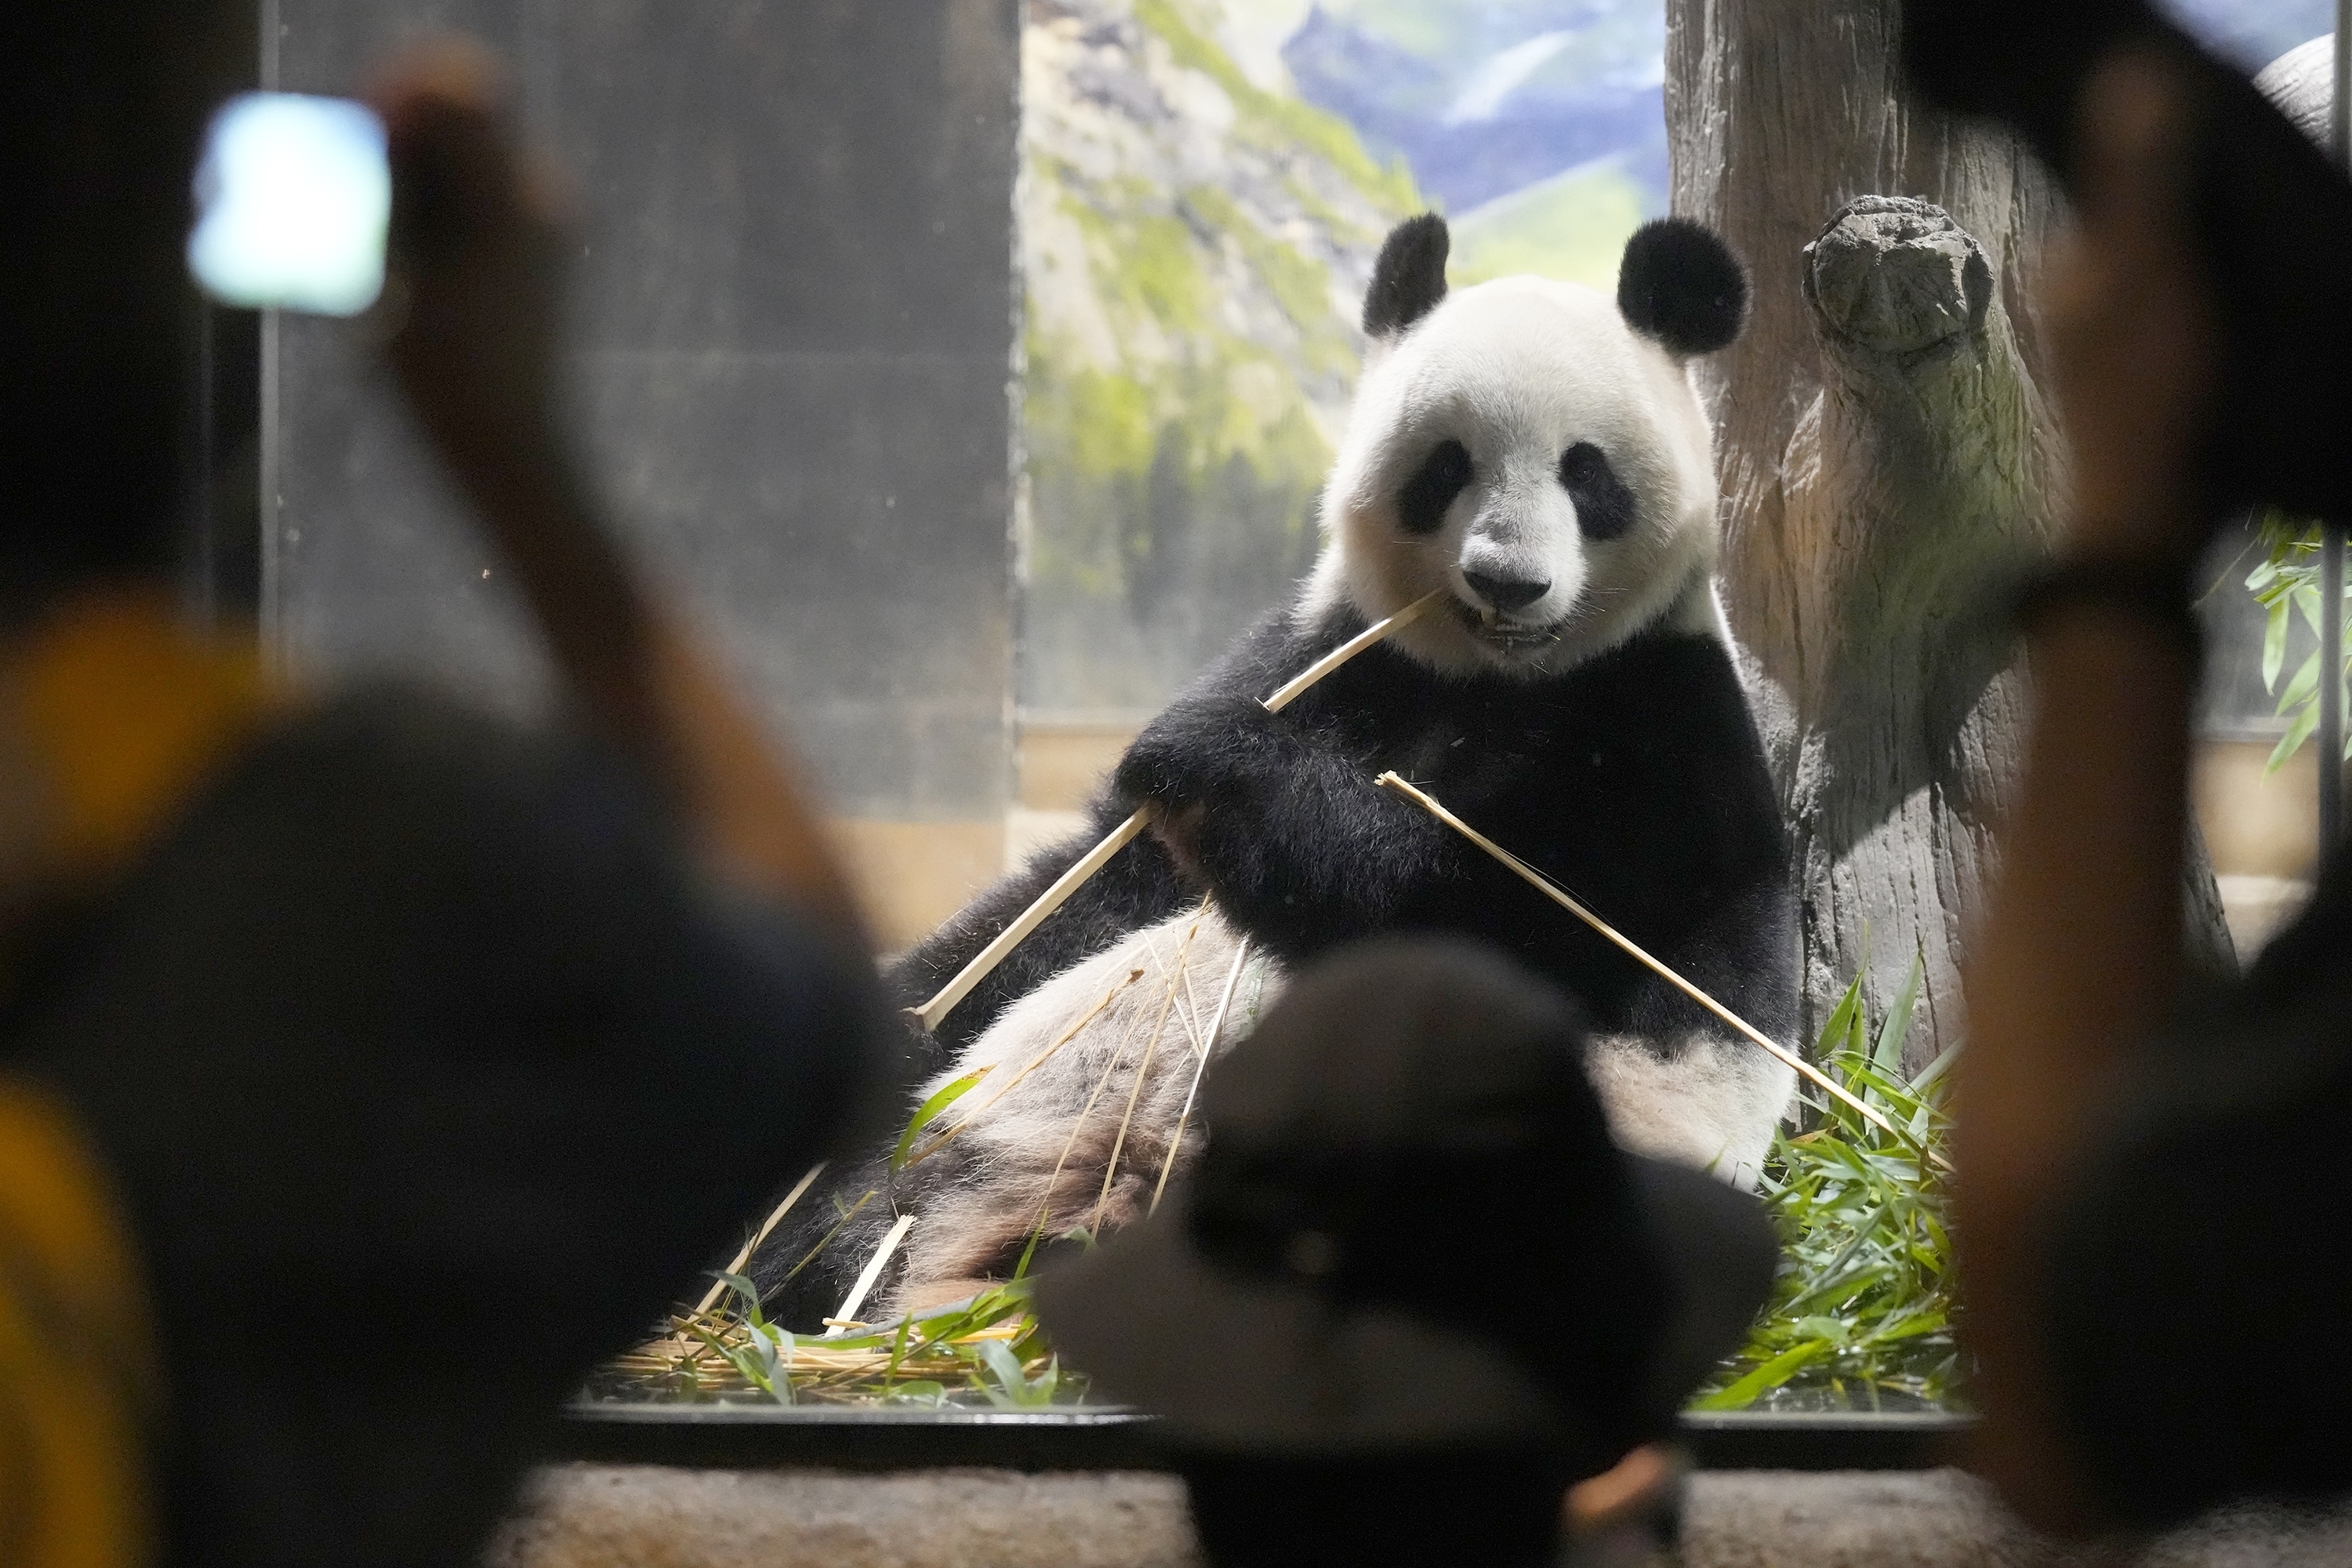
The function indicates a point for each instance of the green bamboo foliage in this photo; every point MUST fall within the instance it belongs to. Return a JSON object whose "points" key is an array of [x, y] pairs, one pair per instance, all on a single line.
{"points": [[986, 1352], [1860, 1314], [2286, 582]]}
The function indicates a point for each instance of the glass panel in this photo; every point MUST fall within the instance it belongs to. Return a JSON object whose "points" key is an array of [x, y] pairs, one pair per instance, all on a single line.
{"points": [[791, 344], [803, 232]]}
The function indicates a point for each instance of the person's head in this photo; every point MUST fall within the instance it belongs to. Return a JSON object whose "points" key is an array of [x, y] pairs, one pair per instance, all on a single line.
{"points": [[1435, 1508], [1413, 1289], [102, 108]]}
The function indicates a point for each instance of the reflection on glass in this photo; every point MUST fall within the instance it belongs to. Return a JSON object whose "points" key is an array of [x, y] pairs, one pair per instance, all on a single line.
{"points": [[293, 199]]}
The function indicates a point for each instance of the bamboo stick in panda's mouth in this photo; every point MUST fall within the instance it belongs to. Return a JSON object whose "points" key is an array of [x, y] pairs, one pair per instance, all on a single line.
{"points": [[1095, 859]]}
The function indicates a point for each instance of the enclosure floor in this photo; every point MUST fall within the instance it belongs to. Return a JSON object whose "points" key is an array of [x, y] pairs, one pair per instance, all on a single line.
{"points": [[595, 1516]]}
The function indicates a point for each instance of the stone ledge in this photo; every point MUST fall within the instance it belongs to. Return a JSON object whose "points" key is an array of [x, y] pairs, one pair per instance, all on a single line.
{"points": [[622, 1516], [627, 1516]]}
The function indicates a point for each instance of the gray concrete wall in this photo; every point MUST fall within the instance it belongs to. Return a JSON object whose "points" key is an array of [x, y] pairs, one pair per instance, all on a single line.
{"points": [[795, 315]]}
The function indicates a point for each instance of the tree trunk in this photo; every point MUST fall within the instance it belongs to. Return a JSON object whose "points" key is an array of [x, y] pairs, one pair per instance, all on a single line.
{"points": [[1884, 455]]}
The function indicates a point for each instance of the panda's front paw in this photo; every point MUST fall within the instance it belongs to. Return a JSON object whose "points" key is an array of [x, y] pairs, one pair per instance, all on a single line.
{"points": [[1178, 829], [1211, 771], [1195, 756]]}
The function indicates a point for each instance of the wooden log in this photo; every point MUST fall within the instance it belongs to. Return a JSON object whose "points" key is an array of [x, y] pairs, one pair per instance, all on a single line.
{"points": [[1884, 454]]}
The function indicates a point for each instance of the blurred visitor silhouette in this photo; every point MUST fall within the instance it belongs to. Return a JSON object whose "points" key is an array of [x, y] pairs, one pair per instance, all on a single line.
{"points": [[1414, 1293], [357, 1053], [2148, 1178]]}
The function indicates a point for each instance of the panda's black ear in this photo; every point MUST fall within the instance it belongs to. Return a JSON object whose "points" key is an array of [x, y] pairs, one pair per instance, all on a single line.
{"points": [[1680, 284], [1408, 280]]}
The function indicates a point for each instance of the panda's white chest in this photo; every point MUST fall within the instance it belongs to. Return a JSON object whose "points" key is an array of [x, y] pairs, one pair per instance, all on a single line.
{"points": [[1085, 1104]]}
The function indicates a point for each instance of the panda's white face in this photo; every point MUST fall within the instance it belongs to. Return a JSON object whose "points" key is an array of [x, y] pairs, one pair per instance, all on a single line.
{"points": [[1523, 448]]}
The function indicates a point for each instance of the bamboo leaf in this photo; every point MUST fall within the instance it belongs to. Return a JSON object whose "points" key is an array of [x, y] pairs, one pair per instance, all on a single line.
{"points": [[747, 1296], [1840, 1020], [1860, 1309], [1887, 1057], [1765, 1378], [2304, 685], [928, 1111], [1832, 1330], [897, 1351], [1006, 1383], [1934, 1071], [2296, 734]]}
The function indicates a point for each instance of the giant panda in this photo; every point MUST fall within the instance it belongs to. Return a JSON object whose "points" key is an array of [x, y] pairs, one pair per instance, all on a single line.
{"points": [[1536, 450]]}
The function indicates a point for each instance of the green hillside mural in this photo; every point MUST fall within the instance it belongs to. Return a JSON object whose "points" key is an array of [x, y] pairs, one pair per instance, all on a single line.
{"points": [[1196, 243]]}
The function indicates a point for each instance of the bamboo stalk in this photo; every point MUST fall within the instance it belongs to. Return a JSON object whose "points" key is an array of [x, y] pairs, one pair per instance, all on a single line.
{"points": [[1143, 1067], [826, 1239], [1208, 1047], [984, 962], [1296, 685], [847, 1312], [753, 1246], [1077, 1125], [1012, 936], [1560, 896], [1066, 1036]]}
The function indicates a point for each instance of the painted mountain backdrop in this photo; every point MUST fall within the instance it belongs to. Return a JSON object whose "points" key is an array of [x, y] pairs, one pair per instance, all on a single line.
{"points": [[1195, 240], [2255, 32], [1538, 125], [1204, 186]]}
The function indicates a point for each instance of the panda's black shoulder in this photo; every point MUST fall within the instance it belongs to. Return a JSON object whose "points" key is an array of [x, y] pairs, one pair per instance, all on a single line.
{"points": [[1674, 702], [1687, 673], [1670, 706]]}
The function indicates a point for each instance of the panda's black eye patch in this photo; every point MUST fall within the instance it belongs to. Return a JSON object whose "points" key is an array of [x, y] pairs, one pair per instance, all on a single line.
{"points": [[1604, 507], [1443, 475]]}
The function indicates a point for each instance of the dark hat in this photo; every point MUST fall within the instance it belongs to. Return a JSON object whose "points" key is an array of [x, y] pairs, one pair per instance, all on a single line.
{"points": [[1410, 1229]]}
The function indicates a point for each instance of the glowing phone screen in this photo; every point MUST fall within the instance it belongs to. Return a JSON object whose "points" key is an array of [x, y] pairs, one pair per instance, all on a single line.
{"points": [[293, 197]]}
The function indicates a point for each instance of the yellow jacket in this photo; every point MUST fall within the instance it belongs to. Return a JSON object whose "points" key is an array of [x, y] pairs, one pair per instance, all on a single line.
{"points": [[111, 714]]}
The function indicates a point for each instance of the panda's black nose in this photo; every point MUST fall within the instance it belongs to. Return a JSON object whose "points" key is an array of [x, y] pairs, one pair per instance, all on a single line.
{"points": [[1505, 593]]}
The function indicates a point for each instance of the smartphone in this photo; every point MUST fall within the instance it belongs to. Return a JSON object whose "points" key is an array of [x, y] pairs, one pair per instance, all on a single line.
{"points": [[2273, 219], [293, 200]]}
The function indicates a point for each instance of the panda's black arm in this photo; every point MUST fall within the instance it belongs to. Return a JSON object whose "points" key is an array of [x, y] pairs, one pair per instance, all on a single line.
{"points": [[1137, 888], [1140, 886], [1296, 840]]}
